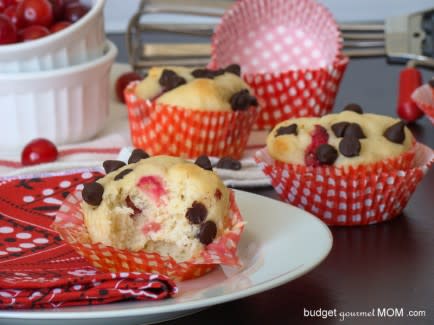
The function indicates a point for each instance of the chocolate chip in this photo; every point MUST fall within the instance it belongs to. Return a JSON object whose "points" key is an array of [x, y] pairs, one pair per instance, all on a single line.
{"points": [[234, 68], [229, 163], [204, 162], [137, 155], [206, 73], [431, 83], [207, 232], [350, 146], [197, 213], [170, 80], [289, 129], [355, 130], [242, 100], [339, 128], [395, 133], [354, 108], [122, 174], [92, 193], [326, 154], [111, 165]]}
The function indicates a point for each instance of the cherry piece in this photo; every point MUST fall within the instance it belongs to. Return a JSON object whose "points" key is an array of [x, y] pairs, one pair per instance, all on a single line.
{"points": [[35, 12], [123, 81], [74, 11], [8, 32], [319, 136], [11, 12], [5, 4], [59, 26], [38, 151], [33, 32]]}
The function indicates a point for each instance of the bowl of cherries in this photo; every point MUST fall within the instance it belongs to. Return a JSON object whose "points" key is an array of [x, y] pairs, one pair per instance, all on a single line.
{"points": [[38, 35]]}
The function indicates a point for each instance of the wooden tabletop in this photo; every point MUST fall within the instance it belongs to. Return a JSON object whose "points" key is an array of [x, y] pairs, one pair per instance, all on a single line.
{"points": [[388, 265]]}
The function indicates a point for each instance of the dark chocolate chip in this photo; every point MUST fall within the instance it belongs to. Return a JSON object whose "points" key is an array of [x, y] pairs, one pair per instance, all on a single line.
{"points": [[350, 146], [92, 193], [122, 174], [170, 80], [204, 162], [339, 128], [431, 83], [206, 73], [354, 108], [326, 154], [395, 133], [229, 163], [355, 130], [197, 213], [207, 232], [289, 129], [137, 155], [234, 68], [242, 100], [111, 165]]}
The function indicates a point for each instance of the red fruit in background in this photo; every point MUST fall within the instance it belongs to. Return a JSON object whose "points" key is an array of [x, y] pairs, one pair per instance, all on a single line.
{"points": [[58, 9], [35, 12], [8, 32], [409, 111], [123, 81], [33, 32], [74, 11], [59, 26], [38, 151], [11, 12], [5, 3]]}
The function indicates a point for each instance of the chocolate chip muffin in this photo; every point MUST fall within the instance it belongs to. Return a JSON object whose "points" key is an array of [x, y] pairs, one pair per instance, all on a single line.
{"points": [[197, 89], [159, 204], [350, 138]]}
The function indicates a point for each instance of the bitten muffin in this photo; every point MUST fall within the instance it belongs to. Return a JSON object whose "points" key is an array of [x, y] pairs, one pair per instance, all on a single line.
{"points": [[160, 204], [350, 138], [197, 89]]}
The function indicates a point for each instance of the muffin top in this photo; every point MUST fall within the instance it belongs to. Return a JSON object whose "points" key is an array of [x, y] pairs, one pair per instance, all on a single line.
{"points": [[349, 138], [197, 89]]}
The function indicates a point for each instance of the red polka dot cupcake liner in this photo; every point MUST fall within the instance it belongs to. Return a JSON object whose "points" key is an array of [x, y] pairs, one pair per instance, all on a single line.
{"points": [[423, 96], [354, 196], [176, 131], [69, 223], [290, 54]]}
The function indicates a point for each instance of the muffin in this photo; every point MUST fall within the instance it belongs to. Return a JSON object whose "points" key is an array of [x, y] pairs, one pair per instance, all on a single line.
{"points": [[349, 168], [201, 111], [157, 214]]}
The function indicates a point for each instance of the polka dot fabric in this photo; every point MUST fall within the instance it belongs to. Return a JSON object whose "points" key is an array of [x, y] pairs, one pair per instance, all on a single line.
{"points": [[290, 54], [70, 224], [423, 96], [350, 197], [164, 129]]}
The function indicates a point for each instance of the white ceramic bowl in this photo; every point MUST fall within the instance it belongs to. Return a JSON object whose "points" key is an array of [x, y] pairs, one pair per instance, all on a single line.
{"points": [[65, 105], [81, 42]]}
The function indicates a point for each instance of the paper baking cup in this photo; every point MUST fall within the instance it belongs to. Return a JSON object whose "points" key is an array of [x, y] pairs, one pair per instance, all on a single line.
{"points": [[69, 223], [176, 131], [349, 197], [266, 36], [423, 96]]}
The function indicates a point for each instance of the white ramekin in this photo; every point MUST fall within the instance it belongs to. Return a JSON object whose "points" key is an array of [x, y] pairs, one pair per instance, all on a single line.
{"points": [[65, 105], [81, 42]]}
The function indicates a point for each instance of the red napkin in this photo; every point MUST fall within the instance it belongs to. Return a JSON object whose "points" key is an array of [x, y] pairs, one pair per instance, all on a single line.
{"points": [[39, 270]]}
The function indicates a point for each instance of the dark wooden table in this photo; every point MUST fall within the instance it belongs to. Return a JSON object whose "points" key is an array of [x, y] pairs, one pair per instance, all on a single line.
{"points": [[388, 265]]}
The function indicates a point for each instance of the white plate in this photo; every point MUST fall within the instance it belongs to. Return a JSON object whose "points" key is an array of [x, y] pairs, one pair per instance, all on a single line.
{"points": [[280, 243]]}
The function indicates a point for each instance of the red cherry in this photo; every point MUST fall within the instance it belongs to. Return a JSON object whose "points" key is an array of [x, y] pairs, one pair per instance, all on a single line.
{"points": [[8, 32], [33, 32], [59, 26], [11, 12], [123, 81], [74, 11], [38, 151], [35, 12], [5, 3], [409, 112]]}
